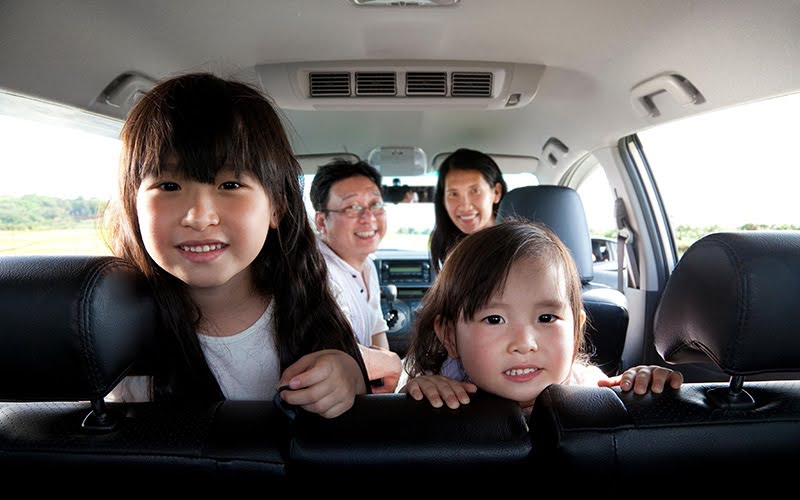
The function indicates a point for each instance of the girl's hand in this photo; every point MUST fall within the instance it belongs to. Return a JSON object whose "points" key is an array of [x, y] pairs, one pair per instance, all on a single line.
{"points": [[437, 387], [324, 382], [383, 364], [639, 378]]}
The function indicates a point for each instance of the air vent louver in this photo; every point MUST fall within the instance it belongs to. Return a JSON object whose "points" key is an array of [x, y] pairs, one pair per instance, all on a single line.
{"points": [[426, 84], [411, 84], [472, 85], [376, 84], [329, 84]]}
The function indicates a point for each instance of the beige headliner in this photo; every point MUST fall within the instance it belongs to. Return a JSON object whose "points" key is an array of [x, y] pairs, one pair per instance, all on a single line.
{"points": [[594, 51]]}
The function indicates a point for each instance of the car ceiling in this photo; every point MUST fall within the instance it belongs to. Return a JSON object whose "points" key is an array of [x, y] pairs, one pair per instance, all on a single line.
{"points": [[594, 53]]}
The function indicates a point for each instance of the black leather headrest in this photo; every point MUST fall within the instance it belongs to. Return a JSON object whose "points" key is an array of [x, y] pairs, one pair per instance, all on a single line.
{"points": [[734, 298], [70, 327], [559, 208]]}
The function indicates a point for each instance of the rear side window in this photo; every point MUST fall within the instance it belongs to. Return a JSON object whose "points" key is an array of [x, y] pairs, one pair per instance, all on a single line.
{"points": [[598, 203], [733, 169], [58, 168]]}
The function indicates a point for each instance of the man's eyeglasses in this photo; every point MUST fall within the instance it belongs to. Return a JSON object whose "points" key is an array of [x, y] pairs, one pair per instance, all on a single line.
{"points": [[356, 211]]}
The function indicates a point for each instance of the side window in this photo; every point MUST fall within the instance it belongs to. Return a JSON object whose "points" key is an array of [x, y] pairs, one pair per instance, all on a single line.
{"points": [[727, 170], [58, 167], [598, 203]]}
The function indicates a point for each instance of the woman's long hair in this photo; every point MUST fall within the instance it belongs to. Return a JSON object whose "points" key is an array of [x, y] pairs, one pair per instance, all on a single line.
{"points": [[445, 233], [205, 123], [476, 269]]}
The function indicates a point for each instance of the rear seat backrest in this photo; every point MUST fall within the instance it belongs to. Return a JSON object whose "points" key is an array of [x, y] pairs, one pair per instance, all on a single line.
{"points": [[486, 438], [560, 209], [73, 326]]}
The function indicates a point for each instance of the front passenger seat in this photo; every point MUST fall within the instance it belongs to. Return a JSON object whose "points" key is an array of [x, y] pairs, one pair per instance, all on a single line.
{"points": [[560, 209]]}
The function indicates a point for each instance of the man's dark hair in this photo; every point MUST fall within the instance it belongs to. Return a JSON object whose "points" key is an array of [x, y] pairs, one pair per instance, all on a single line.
{"points": [[335, 171]]}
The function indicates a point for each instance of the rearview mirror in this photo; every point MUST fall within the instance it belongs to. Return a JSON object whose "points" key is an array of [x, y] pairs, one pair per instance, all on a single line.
{"points": [[397, 193]]}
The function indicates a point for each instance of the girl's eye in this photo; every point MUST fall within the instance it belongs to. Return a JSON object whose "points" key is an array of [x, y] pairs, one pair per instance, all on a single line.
{"points": [[547, 318], [451, 194], [230, 185], [169, 186], [494, 319]]}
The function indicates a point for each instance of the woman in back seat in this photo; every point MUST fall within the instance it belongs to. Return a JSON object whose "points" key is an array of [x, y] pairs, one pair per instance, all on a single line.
{"points": [[468, 192]]}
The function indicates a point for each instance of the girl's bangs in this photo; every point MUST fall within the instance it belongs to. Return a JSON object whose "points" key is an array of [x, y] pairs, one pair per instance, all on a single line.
{"points": [[197, 149]]}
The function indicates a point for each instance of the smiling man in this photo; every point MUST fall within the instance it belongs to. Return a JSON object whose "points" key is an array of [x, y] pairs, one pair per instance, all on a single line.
{"points": [[351, 221]]}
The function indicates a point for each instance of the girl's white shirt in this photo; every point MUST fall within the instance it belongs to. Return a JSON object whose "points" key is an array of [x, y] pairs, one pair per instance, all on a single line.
{"points": [[246, 365]]}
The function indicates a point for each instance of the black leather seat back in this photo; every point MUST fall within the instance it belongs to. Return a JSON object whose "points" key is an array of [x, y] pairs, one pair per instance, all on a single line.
{"points": [[560, 209], [71, 326], [732, 299], [602, 433], [487, 436]]}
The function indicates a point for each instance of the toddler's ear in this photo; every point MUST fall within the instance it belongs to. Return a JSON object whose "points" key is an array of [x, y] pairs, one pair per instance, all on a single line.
{"points": [[446, 336]]}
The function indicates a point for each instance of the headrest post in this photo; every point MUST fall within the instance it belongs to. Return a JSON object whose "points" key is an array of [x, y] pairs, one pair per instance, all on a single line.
{"points": [[734, 397], [737, 381], [100, 419]]}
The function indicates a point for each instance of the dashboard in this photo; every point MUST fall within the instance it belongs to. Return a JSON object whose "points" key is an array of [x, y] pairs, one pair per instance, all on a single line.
{"points": [[411, 273]]}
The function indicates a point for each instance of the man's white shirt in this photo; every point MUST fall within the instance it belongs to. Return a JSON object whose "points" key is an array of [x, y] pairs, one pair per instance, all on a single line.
{"points": [[358, 294]]}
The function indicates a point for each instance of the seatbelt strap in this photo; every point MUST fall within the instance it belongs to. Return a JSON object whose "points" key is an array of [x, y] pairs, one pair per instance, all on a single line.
{"points": [[626, 248]]}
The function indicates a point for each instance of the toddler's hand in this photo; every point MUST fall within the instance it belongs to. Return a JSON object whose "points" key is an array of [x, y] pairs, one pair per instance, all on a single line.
{"points": [[437, 387], [640, 378]]}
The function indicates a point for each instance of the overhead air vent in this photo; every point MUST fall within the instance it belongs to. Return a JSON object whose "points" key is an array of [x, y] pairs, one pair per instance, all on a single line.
{"points": [[472, 85], [329, 84], [400, 84], [376, 84], [426, 84]]}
